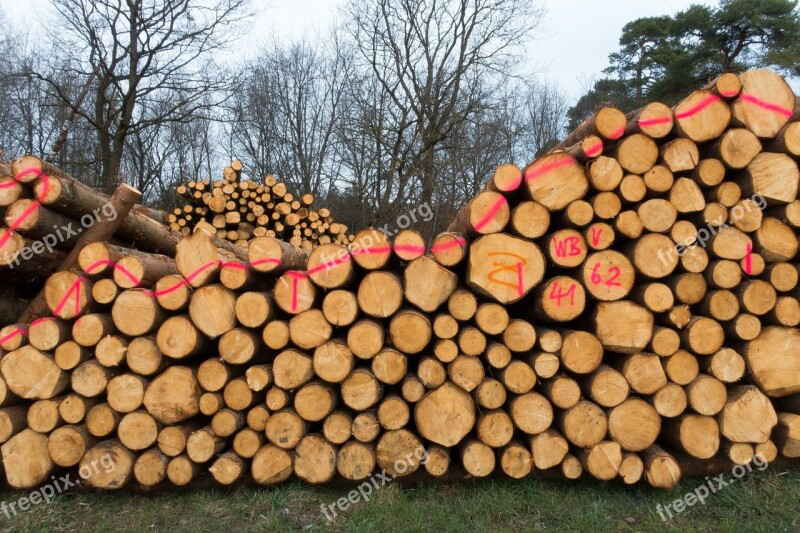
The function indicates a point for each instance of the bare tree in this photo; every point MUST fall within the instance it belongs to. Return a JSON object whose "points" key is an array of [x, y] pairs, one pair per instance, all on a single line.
{"points": [[286, 114], [543, 120], [153, 62], [439, 65]]}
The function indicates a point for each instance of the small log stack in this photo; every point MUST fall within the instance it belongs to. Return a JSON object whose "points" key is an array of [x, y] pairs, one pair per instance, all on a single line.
{"points": [[624, 307], [240, 210]]}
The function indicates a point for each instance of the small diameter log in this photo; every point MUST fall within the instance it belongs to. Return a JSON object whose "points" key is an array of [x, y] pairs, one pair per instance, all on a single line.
{"points": [[661, 469], [68, 444], [150, 468], [380, 294], [143, 356], [371, 249], [530, 220], [408, 245], [602, 460], [694, 434], [203, 445], [654, 120], [608, 123], [271, 465], [136, 313], [485, 214], [515, 461]]}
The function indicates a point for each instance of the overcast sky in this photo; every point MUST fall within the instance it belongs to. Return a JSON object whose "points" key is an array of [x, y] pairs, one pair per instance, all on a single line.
{"points": [[571, 47]]}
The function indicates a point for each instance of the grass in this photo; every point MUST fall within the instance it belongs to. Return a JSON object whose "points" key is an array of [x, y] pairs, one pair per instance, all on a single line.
{"points": [[764, 501]]}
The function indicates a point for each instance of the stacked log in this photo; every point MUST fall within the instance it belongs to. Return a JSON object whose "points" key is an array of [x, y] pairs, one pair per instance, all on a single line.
{"points": [[620, 311], [241, 210]]}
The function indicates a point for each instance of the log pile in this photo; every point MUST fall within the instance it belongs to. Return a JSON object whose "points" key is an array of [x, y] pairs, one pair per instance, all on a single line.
{"points": [[243, 209], [624, 307]]}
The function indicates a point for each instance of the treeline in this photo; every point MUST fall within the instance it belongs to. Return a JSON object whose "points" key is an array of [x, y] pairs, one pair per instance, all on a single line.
{"points": [[398, 104]]}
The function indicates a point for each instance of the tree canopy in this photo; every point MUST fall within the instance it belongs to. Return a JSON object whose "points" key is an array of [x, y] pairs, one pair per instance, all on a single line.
{"points": [[663, 58]]}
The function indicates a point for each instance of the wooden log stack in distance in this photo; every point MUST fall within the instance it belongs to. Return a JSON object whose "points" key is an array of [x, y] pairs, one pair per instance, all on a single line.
{"points": [[243, 209], [625, 307]]}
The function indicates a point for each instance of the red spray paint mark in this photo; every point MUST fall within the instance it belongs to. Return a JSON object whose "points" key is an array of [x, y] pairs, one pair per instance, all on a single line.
{"points": [[444, 246], [412, 248], [748, 259], [655, 121], [751, 99], [699, 108], [537, 172], [496, 207]]}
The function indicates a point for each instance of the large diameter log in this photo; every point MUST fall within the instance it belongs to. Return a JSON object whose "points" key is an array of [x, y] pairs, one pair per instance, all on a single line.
{"points": [[702, 116], [748, 416], [174, 396], [696, 435], [26, 461], [504, 268], [30, 374], [765, 104], [773, 358], [399, 453], [427, 284], [445, 416], [623, 326], [773, 176], [487, 213], [661, 469], [555, 180]]}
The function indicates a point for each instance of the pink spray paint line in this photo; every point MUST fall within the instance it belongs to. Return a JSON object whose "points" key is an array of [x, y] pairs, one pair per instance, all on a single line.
{"points": [[699, 108], [594, 149], [412, 248], [373, 250], [295, 281], [76, 289], [444, 246], [236, 265], [16, 332], [748, 259], [537, 172], [266, 261], [655, 121], [125, 272], [617, 133], [319, 268], [496, 207], [751, 99], [40, 320]]}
